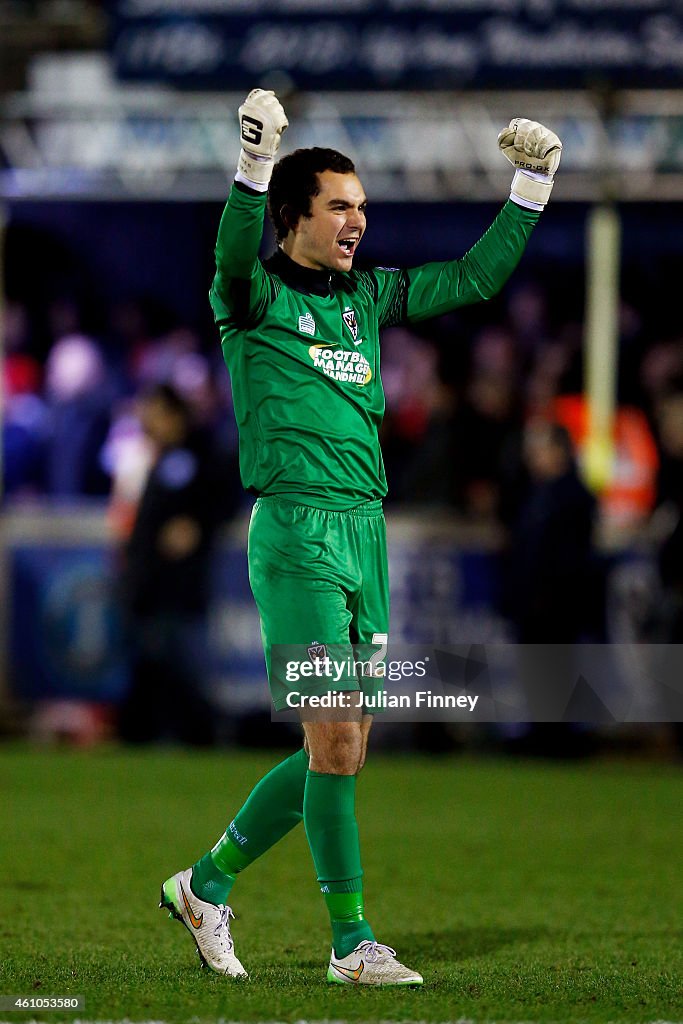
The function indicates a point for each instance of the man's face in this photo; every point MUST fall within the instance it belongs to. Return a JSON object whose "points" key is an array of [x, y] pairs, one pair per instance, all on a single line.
{"points": [[330, 236], [161, 425], [545, 458]]}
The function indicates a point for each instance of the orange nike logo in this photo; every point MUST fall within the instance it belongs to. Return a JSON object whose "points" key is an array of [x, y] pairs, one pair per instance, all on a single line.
{"points": [[346, 972], [196, 922]]}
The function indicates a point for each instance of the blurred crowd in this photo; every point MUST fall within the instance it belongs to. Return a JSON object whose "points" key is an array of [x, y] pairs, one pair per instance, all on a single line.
{"points": [[460, 396], [457, 414], [73, 427]]}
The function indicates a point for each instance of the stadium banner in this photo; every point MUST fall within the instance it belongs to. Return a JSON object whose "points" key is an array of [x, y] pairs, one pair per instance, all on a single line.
{"points": [[398, 44], [67, 637], [66, 631], [451, 654]]}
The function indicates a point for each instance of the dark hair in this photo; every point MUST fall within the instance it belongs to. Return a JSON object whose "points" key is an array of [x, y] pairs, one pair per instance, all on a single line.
{"points": [[295, 182], [170, 398], [560, 437], [554, 434]]}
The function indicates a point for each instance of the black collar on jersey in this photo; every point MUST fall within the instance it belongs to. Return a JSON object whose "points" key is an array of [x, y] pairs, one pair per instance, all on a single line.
{"points": [[302, 279]]}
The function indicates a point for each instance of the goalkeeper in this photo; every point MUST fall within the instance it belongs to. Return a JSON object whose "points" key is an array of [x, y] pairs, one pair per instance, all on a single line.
{"points": [[300, 336]]}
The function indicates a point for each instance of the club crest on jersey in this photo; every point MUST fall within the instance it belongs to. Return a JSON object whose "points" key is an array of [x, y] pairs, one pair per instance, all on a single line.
{"points": [[349, 318], [306, 324]]}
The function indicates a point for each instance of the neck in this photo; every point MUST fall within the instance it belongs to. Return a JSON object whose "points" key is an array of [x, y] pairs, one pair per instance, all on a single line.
{"points": [[289, 249], [312, 280]]}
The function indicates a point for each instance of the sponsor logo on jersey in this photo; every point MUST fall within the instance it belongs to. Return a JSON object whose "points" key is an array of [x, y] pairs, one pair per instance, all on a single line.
{"points": [[349, 318], [339, 364], [307, 324]]}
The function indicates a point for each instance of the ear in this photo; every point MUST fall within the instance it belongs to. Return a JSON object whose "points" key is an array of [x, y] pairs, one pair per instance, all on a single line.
{"points": [[288, 217]]}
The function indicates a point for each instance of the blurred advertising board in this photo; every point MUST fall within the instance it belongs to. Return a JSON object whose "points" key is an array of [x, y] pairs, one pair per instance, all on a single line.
{"points": [[398, 44], [67, 641], [65, 630]]}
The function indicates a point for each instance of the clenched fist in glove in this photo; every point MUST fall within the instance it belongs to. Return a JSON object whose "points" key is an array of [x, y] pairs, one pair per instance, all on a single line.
{"points": [[535, 152], [262, 123]]}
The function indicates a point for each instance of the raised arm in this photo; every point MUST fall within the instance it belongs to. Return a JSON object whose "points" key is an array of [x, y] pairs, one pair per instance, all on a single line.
{"points": [[241, 289], [436, 288]]}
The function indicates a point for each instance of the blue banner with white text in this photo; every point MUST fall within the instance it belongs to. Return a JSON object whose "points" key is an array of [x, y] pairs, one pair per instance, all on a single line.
{"points": [[399, 44]]}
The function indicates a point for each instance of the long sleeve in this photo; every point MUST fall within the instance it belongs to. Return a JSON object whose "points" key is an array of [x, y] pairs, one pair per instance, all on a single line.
{"points": [[435, 288], [241, 288]]}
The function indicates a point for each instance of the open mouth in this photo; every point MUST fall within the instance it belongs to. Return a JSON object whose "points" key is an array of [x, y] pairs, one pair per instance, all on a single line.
{"points": [[348, 245]]}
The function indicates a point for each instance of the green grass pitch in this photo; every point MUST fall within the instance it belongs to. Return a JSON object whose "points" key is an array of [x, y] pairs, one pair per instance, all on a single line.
{"points": [[523, 892]]}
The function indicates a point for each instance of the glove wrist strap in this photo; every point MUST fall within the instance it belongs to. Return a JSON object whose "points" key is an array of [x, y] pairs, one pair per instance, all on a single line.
{"points": [[254, 171], [531, 190]]}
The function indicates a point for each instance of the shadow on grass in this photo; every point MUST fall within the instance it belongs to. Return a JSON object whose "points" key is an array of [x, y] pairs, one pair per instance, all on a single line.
{"points": [[462, 943]]}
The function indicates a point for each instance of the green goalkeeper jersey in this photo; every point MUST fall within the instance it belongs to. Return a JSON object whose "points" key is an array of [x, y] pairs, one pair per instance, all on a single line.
{"points": [[302, 348]]}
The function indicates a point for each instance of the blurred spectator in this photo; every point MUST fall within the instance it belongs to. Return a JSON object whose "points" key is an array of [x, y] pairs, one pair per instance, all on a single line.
{"points": [[550, 589], [165, 582], [670, 501], [548, 372], [79, 399], [528, 316], [24, 437], [629, 495], [157, 359], [489, 415], [21, 368], [127, 457], [25, 426], [416, 431], [135, 323], [550, 559], [442, 448], [661, 365], [632, 345]]}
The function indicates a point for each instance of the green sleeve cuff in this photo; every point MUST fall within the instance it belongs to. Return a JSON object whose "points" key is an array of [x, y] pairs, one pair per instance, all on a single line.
{"points": [[521, 213]]}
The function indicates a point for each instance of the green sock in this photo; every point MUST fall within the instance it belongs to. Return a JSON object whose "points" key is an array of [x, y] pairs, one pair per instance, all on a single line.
{"points": [[332, 832], [347, 916], [272, 809]]}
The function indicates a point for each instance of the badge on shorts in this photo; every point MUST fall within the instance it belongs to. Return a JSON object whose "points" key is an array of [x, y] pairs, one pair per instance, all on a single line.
{"points": [[317, 652]]}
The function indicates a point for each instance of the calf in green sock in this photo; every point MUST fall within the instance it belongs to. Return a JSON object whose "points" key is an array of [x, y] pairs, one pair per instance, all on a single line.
{"points": [[332, 833], [282, 798], [272, 809]]}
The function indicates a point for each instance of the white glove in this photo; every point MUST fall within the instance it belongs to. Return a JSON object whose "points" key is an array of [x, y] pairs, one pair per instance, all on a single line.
{"points": [[262, 122], [535, 151]]}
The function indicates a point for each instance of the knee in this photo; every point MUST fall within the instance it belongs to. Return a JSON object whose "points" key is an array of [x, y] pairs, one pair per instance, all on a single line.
{"points": [[336, 751]]}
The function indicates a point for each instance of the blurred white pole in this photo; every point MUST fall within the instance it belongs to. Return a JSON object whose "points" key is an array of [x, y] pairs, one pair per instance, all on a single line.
{"points": [[4, 581], [3, 222], [601, 342]]}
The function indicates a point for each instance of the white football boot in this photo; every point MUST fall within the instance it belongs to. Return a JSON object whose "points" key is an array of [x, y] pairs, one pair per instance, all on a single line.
{"points": [[208, 925], [370, 963]]}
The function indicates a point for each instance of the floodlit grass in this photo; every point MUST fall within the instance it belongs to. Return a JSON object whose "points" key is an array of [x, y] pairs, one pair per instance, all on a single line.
{"points": [[523, 892]]}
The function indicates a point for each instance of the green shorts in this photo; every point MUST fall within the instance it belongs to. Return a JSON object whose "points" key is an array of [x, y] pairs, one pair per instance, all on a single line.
{"points": [[320, 580]]}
